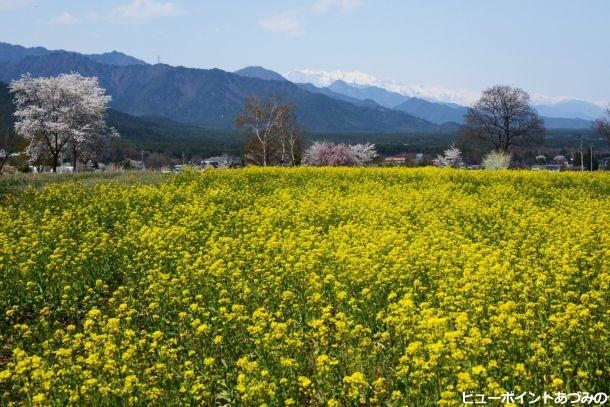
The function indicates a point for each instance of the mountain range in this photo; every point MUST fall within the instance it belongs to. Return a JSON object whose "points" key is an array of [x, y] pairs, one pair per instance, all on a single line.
{"points": [[437, 112], [433, 103], [212, 98], [206, 97], [556, 107]]}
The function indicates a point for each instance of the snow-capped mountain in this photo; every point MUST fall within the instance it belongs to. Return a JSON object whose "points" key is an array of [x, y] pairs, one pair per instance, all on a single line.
{"points": [[552, 106], [434, 93]]}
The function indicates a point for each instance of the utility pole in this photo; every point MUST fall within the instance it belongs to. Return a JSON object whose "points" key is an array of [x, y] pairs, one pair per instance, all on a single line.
{"points": [[591, 152], [143, 166]]}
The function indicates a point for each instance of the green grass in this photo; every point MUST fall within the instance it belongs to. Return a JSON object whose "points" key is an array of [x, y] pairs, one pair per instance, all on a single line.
{"points": [[15, 184]]}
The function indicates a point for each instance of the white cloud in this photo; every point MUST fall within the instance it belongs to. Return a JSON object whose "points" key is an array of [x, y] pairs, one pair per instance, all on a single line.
{"points": [[65, 18], [140, 10], [341, 5], [12, 5], [283, 23]]}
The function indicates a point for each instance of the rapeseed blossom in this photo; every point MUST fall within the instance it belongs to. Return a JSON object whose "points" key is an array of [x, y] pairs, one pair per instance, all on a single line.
{"points": [[306, 286]]}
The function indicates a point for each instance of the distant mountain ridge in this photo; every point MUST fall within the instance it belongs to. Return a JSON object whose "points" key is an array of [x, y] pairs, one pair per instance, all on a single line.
{"points": [[268, 75], [571, 109], [15, 53], [115, 58], [382, 96], [434, 112], [326, 91], [210, 98], [260, 73]]}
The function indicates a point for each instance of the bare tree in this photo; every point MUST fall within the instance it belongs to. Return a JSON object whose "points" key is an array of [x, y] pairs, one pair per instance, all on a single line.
{"points": [[602, 125], [274, 135], [260, 119], [290, 136], [503, 117]]}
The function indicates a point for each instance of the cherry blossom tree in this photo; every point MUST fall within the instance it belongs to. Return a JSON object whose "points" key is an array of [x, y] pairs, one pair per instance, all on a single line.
{"points": [[88, 130], [324, 153], [56, 114], [318, 154], [452, 157], [364, 153]]}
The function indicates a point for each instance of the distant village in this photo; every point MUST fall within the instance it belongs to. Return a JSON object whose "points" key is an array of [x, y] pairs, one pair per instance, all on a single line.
{"points": [[543, 163]]}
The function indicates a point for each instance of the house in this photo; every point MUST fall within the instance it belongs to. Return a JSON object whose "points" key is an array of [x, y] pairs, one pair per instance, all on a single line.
{"points": [[395, 160], [560, 160]]}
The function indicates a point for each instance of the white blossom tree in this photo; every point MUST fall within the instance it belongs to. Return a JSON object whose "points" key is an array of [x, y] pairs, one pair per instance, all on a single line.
{"points": [[452, 157], [364, 153], [60, 113], [88, 130]]}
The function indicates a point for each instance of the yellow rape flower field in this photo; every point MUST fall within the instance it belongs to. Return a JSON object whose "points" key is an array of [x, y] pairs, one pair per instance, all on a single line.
{"points": [[305, 287]]}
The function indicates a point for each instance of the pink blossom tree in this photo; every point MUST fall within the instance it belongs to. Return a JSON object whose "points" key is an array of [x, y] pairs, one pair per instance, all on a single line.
{"points": [[324, 153]]}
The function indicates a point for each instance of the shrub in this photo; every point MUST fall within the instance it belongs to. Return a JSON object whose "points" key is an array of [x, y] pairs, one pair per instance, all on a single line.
{"points": [[496, 160]]}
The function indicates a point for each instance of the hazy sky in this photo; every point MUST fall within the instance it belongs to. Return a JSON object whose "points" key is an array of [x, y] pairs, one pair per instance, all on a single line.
{"points": [[554, 47]]}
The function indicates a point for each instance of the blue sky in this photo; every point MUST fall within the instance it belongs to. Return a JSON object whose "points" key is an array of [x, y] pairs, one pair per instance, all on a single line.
{"points": [[552, 47]]}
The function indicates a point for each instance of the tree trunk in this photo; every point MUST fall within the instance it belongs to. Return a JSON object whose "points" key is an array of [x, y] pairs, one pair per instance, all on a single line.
{"points": [[293, 155], [74, 156], [55, 155]]}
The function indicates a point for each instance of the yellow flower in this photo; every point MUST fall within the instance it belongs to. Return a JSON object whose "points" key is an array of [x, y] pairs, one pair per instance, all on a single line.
{"points": [[479, 370], [38, 399], [142, 288], [304, 382]]}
